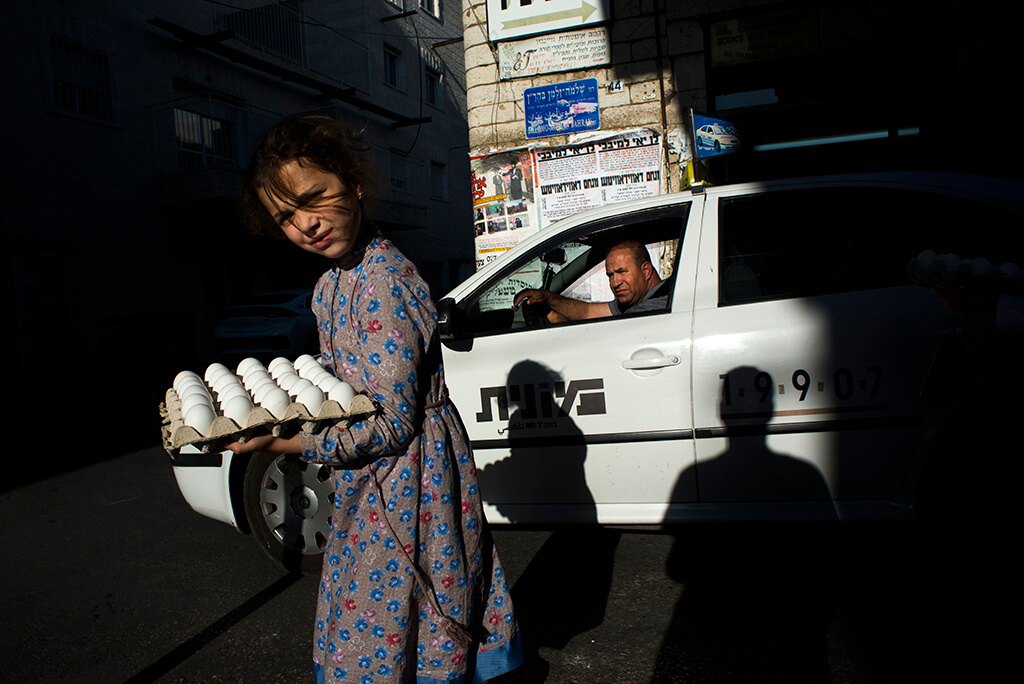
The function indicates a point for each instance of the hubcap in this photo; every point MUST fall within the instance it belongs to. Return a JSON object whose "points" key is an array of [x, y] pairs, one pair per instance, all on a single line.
{"points": [[295, 498], [304, 502]]}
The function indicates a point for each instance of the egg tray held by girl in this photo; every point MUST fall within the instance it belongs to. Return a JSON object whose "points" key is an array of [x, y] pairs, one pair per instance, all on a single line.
{"points": [[281, 399]]}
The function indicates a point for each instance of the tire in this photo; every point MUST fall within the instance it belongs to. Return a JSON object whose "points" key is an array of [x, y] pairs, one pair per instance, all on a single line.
{"points": [[288, 504]]}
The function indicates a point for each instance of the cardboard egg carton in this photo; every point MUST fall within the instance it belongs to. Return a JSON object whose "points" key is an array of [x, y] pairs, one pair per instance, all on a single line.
{"points": [[295, 417]]}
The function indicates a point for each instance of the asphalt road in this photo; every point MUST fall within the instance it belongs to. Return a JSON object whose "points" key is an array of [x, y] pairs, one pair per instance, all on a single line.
{"points": [[108, 576]]}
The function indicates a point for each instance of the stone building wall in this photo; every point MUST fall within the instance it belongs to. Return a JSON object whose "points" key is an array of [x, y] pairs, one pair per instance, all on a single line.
{"points": [[657, 53]]}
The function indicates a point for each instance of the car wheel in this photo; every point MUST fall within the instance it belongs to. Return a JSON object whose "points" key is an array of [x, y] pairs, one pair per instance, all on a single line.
{"points": [[288, 503], [718, 146]]}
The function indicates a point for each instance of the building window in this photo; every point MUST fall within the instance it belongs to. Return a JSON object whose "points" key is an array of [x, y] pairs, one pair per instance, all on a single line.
{"points": [[206, 133], [393, 68], [81, 80], [434, 7], [432, 90], [439, 180], [400, 181]]}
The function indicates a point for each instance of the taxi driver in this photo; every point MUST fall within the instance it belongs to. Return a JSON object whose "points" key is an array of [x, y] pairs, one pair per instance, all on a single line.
{"points": [[632, 277]]}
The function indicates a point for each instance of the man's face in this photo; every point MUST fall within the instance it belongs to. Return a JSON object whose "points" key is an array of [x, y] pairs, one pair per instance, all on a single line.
{"points": [[628, 281]]}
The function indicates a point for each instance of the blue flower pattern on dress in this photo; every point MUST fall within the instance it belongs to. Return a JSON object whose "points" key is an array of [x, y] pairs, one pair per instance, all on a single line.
{"points": [[377, 332]]}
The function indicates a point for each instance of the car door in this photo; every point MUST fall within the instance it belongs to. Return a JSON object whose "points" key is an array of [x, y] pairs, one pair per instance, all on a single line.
{"points": [[580, 421], [811, 342]]}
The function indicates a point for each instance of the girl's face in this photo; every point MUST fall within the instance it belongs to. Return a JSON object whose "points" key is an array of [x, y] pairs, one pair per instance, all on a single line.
{"points": [[325, 218]]}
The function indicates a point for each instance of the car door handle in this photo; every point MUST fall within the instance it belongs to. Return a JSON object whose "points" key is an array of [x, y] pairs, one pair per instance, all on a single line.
{"points": [[648, 364]]}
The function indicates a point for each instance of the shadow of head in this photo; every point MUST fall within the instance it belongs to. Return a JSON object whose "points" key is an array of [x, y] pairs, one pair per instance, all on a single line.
{"points": [[546, 449], [748, 397]]}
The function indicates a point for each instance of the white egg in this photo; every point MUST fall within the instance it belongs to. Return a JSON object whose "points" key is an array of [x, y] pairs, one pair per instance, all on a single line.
{"points": [[213, 370], [193, 388], [195, 399], [316, 375], [1009, 270], [231, 391], [343, 393], [182, 377], [220, 378], [276, 401], [948, 262], [287, 380], [256, 369], [301, 361], [261, 391], [237, 409], [298, 386], [245, 364], [279, 361], [310, 369], [326, 381], [254, 377], [259, 382], [311, 397], [190, 379], [926, 259], [200, 417], [225, 380], [279, 366]]}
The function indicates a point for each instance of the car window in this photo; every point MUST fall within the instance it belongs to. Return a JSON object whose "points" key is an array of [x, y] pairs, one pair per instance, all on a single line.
{"points": [[800, 243], [573, 265]]}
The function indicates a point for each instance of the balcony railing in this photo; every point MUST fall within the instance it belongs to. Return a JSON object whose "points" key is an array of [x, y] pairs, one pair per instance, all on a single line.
{"points": [[285, 32]]}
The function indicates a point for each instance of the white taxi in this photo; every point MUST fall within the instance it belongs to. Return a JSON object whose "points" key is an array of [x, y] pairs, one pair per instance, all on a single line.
{"points": [[787, 378]]}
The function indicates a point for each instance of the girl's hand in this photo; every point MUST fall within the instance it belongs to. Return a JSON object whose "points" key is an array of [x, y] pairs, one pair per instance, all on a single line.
{"points": [[268, 443]]}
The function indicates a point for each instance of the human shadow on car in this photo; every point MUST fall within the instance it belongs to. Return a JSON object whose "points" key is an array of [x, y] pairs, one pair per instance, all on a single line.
{"points": [[756, 597], [563, 591], [748, 471]]}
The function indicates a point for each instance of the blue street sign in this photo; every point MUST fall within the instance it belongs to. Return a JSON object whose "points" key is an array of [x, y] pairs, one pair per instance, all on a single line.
{"points": [[562, 108]]}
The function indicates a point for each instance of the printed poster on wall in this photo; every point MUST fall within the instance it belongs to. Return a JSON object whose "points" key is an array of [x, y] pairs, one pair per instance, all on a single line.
{"points": [[597, 171], [504, 210]]}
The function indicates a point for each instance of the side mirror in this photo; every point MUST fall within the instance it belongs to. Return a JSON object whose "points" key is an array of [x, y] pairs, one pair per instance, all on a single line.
{"points": [[448, 317], [555, 256]]}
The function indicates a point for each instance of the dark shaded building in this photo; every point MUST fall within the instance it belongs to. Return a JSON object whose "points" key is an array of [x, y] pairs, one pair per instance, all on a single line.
{"points": [[126, 128]]}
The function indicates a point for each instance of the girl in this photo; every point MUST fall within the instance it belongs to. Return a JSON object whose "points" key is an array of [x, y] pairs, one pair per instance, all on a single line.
{"points": [[411, 589]]}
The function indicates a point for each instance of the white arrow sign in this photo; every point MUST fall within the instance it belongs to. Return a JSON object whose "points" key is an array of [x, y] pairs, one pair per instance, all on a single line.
{"points": [[516, 19]]}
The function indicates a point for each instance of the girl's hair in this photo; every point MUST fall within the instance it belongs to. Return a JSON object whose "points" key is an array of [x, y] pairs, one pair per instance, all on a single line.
{"points": [[317, 141]]}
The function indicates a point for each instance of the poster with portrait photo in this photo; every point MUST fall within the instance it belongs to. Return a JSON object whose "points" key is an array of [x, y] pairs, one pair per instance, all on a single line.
{"points": [[503, 186]]}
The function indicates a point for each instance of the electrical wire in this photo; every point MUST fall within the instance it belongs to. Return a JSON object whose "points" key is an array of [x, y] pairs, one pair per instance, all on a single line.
{"points": [[304, 19]]}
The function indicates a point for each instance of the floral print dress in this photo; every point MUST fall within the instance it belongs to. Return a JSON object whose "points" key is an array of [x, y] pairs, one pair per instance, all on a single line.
{"points": [[411, 589]]}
